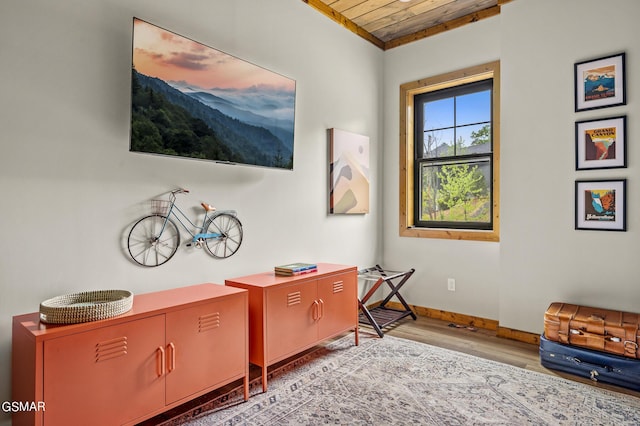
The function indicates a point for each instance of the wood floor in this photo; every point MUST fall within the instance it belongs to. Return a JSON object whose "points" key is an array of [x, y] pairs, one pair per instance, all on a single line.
{"points": [[473, 341], [481, 343]]}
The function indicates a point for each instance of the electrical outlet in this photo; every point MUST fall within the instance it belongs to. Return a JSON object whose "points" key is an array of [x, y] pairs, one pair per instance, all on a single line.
{"points": [[451, 284]]}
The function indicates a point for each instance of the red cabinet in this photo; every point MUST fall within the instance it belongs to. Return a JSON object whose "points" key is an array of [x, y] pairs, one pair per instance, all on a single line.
{"points": [[290, 314], [171, 347]]}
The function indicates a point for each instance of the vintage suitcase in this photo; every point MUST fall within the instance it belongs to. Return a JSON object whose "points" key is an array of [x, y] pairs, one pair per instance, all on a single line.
{"points": [[594, 328], [595, 365]]}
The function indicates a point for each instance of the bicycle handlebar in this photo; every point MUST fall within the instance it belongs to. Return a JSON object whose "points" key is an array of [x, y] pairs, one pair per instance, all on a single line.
{"points": [[180, 191]]}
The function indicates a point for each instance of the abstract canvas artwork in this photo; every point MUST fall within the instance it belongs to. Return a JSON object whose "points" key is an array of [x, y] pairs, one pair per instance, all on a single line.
{"points": [[348, 172]]}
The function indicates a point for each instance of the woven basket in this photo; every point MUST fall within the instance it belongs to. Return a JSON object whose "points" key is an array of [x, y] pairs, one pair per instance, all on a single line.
{"points": [[85, 306]]}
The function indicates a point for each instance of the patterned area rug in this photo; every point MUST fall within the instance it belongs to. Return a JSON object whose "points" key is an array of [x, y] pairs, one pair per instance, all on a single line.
{"points": [[392, 381]]}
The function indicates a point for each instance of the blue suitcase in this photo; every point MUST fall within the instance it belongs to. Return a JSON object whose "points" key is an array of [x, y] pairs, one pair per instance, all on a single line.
{"points": [[597, 366]]}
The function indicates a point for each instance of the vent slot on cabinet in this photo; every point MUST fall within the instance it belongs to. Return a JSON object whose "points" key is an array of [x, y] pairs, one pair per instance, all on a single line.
{"points": [[110, 349], [338, 286], [208, 322], [294, 298]]}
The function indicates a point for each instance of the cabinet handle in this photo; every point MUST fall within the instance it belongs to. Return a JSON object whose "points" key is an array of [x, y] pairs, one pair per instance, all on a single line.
{"points": [[321, 309], [160, 365], [172, 364], [316, 308]]}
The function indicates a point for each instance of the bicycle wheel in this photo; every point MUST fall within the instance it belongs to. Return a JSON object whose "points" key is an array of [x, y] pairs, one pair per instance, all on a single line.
{"points": [[230, 230], [151, 245]]}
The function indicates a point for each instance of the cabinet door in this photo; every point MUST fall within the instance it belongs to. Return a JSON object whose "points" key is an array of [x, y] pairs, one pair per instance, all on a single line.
{"points": [[338, 297], [206, 346], [106, 376], [291, 315]]}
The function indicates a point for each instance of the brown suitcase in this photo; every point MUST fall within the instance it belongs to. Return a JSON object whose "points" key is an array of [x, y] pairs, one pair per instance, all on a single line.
{"points": [[604, 330]]}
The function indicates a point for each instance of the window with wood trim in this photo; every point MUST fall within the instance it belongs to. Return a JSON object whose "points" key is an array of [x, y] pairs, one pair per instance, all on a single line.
{"points": [[449, 154]]}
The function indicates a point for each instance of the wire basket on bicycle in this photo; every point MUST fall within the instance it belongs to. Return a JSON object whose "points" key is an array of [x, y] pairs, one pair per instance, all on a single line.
{"points": [[160, 207]]}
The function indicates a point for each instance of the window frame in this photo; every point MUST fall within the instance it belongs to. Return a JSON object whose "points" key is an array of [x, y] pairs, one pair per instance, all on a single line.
{"points": [[408, 91]]}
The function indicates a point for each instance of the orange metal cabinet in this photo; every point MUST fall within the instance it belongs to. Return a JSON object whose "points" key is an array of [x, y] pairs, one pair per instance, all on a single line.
{"points": [[202, 348], [290, 314], [335, 294], [95, 371], [291, 322], [171, 347]]}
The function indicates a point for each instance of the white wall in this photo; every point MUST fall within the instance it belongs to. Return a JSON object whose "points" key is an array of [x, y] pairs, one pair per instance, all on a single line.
{"points": [[540, 257], [70, 188], [474, 265]]}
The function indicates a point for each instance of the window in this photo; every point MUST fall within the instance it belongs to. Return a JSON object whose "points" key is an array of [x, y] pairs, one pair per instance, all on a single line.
{"points": [[450, 155]]}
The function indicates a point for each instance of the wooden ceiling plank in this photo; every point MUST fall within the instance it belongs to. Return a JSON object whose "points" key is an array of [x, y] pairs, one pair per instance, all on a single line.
{"points": [[446, 16], [383, 18], [342, 20], [428, 32], [431, 5], [343, 5], [383, 7], [444, 13]]}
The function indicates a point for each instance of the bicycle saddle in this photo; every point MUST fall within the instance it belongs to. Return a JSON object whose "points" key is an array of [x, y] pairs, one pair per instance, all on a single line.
{"points": [[208, 207]]}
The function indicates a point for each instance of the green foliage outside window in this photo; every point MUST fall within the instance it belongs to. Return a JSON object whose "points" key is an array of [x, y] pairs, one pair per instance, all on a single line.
{"points": [[457, 192]]}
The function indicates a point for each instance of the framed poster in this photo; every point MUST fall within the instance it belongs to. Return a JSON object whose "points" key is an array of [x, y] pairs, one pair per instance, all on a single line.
{"points": [[600, 83], [601, 205], [601, 144]]}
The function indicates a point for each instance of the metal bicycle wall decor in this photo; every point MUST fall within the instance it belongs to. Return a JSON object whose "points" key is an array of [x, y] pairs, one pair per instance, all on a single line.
{"points": [[155, 238]]}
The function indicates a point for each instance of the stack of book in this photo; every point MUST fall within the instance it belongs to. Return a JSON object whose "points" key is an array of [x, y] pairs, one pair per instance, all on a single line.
{"points": [[292, 269]]}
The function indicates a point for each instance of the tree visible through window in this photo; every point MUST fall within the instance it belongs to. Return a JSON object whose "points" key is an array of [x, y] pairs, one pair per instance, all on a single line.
{"points": [[453, 157], [449, 178]]}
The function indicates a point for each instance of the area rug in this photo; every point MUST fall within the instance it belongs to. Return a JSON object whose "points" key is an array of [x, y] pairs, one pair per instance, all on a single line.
{"points": [[393, 381]]}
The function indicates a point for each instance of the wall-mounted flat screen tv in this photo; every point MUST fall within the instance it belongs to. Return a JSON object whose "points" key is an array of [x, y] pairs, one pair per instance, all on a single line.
{"points": [[190, 100]]}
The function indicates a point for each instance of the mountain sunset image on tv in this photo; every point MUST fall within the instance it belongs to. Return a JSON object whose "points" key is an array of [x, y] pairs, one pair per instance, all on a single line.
{"points": [[190, 100]]}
